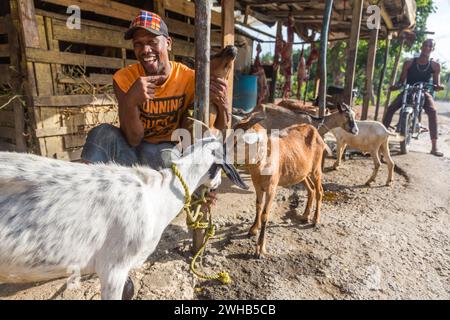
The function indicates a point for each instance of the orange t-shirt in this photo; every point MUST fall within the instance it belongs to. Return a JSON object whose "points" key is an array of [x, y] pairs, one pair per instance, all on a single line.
{"points": [[161, 115]]}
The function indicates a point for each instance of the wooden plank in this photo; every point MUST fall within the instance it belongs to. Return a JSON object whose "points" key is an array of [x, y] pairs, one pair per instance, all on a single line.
{"points": [[4, 74], [353, 50], [43, 74], [188, 9], [7, 117], [29, 25], [183, 48], [2, 25], [94, 78], [74, 140], [56, 131], [175, 27], [102, 7], [90, 35], [53, 145], [84, 22], [228, 39], [7, 133], [39, 55], [53, 45], [370, 72], [4, 50], [5, 146], [71, 155], [74, 100]]}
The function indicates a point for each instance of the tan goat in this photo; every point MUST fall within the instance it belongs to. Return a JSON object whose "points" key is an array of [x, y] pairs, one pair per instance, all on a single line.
{"points": [[372, 138], [291, 157]]}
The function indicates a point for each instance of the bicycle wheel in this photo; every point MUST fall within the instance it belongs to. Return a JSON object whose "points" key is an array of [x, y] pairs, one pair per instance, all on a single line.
{"points": [[406, 132]]}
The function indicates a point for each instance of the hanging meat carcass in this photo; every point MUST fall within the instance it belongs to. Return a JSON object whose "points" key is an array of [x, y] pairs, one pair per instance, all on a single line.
{"points": [[258, 70], [286, 58], [313, 57], [301, 74]]}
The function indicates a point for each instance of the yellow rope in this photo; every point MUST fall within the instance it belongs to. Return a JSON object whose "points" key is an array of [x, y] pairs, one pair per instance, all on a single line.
{"points": [[193, 221]]}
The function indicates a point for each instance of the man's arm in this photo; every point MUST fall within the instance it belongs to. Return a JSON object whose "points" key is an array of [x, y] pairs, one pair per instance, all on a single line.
{"points": [[130, 124], [219, 96], [141, 90], [403, 75], [437, 76]]}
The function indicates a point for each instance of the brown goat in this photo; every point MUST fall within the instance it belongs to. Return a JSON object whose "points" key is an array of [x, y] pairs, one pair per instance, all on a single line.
{"points": [[297, 105], [280, 118], [221, 66], [293, 156]]}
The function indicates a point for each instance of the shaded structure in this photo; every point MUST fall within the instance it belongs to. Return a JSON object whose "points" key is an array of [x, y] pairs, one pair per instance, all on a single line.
{"points": [[351, 20]]}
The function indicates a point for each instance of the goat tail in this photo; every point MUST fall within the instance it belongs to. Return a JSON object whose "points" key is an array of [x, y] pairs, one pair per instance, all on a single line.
{"points": [[396, 136]]}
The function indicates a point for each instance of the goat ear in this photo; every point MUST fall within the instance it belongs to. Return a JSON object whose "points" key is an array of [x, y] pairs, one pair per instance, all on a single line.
{"points": [[346, 107], [234, 176]]}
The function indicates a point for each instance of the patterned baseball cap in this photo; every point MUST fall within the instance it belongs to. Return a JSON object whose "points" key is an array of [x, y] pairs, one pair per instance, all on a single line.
{"points": [[149, 21]]}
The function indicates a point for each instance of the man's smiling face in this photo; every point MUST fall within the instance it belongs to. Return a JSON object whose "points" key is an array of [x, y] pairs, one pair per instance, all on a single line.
{"points": [[152, 51]]}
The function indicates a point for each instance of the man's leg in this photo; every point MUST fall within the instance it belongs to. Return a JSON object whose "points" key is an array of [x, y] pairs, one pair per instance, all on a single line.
{"points": [[106, 143], [397, 104], [157, 156], [430, 109]]}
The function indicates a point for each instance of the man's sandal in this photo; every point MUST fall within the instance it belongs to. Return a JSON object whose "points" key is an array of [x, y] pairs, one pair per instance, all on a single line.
{"points": [[437, 153]]}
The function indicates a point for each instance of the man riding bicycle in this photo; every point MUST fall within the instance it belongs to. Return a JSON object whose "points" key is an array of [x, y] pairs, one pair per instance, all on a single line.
{"points": [[420, 70]]}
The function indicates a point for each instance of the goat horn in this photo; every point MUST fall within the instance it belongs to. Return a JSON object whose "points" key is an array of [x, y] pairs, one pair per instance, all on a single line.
{"points": [[201, 122]]}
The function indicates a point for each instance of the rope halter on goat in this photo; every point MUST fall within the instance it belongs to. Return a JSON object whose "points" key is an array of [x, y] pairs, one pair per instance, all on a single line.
{"points": [[194, 221]]}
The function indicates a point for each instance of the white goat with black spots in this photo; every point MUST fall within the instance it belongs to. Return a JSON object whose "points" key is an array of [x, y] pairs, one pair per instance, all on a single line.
{"points": [[58, 216]]}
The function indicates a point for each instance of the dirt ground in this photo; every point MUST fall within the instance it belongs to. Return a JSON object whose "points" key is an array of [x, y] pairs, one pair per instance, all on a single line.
{"points": [[373, 243]]}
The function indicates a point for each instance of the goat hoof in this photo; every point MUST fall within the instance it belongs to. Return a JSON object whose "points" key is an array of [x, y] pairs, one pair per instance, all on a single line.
{"points": [[304, 219], [368, 183], [128, 290], [253, 231], [388, 184], [260, 251]]}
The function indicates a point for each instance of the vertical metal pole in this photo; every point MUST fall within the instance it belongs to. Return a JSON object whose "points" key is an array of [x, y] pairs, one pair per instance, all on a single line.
{"points": [[202, 53], [201, 100], [323, 58], [383, 72]]}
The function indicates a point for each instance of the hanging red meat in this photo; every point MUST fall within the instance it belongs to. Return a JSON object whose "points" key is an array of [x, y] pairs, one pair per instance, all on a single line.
{"points": [[258, 70], [278, 48], [313, 57], [286, 58], [301, 74]]}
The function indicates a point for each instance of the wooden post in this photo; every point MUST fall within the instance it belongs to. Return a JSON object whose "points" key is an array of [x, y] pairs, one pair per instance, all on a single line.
{"points": [[353, 50], [16, 82], [228, 39], [273, 84], [393, 76], [24, 17], [383, 72], [323, 58], [369, 72], [201, 100]]}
